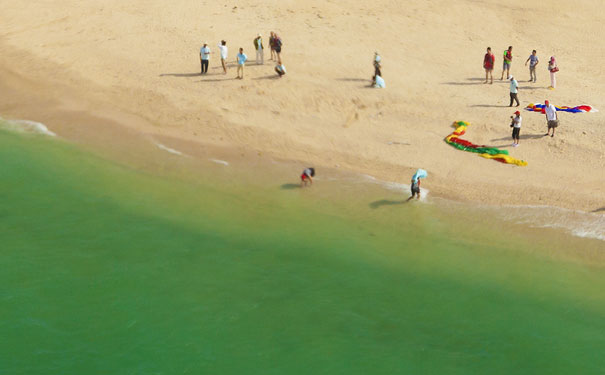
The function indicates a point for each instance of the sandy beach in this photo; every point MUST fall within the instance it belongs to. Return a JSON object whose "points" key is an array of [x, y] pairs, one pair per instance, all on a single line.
{"points": [[80, 67]]}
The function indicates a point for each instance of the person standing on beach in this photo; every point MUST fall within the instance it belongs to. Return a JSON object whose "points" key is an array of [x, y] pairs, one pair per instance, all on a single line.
{"points": [[514, 88], [552, 120], [533, 62], [307, 174], [488, 64], [553, 68], [377, 64], [204, 57], [224, 52], [241, 61], [278, 44], [508, 59], [272, 45], [516, 125], [258, 45]]}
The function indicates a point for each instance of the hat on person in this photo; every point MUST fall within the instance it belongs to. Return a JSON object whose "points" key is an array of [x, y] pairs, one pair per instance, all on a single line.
{"points": [[259, 34], [546, 102], [511, 78], [517, 113]]}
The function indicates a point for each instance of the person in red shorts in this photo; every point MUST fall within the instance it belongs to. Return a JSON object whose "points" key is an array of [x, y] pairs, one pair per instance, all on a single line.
{"points": [[488, 65], [307, 174]]}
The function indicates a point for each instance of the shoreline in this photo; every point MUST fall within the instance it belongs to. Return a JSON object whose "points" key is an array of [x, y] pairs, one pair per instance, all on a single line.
{"points": [[151, 156], [66, 101]]}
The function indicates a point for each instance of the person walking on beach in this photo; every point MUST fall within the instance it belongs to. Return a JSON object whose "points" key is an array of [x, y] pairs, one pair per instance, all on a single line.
{"points": [[552, 120], [516, 125], [307, 174], [533, 62], [260, 49], [241, 61], [488, 64], [508, 59], [272, 45], [224, 52], [553, 69], [377, 64], [514, 88], [204, 58]]}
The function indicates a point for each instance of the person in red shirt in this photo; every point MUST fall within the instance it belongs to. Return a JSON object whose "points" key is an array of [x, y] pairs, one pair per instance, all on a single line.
{"points": [[488, 65]]}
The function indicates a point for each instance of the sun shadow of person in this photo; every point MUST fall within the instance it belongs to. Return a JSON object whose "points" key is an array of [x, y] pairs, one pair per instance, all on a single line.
{"points": [[290, 186], [386, 202]]}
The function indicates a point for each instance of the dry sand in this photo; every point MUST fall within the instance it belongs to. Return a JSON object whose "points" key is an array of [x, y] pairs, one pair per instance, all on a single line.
{"points": [[137, 63]]}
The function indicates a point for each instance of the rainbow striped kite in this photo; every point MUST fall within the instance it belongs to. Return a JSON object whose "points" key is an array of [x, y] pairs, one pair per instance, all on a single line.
{"points": [[578, 109], [484, 151]]}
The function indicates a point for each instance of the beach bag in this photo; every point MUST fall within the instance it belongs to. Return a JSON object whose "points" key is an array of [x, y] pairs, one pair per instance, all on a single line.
{"points": [[555, 69]]}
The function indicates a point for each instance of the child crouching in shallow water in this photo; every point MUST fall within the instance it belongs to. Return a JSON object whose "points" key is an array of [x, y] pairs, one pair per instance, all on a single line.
{"points": [[307, 174]]}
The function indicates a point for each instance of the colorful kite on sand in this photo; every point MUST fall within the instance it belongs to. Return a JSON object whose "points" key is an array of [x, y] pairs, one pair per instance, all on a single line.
{"points": [[485, 151], [578, 109]]}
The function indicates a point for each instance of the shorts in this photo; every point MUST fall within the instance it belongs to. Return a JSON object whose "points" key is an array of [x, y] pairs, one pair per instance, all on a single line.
{"points": [[303, 177], [505, 65], [415, 189], [516, 132], [532, 68], [278, 49], [553, 124], [488, 69]]}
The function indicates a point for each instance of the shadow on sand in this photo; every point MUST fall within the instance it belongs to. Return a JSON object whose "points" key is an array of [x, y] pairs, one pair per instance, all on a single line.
{"points": [[217, 79], [353, 79], [522, 136], [272, 76], [180, 74], [489, 106], [290, 186], [386, 202], [602, 209]]}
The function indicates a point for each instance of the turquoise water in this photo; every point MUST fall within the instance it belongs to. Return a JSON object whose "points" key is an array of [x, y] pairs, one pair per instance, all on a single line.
{"points": [[107, 269]]}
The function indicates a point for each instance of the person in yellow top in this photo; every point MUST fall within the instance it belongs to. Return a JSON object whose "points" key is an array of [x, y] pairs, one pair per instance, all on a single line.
{"points": [[508, 59]]}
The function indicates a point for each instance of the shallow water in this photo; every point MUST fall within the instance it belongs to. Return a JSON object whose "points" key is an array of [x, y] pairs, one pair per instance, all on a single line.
{"points": [[110, 269]]}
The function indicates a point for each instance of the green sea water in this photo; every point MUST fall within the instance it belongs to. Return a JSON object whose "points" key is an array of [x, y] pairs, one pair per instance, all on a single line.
{"points": [[108, 269]]}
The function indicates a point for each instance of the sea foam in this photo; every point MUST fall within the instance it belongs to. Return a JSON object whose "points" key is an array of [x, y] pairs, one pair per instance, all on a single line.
{"points": [[26, 126]]}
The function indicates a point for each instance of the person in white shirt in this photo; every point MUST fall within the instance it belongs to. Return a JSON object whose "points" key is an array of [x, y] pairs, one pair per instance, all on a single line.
{"points": [[223, 48], [552, 121], [204, 57], [514, 85], [378, 82], [516, 125]]}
